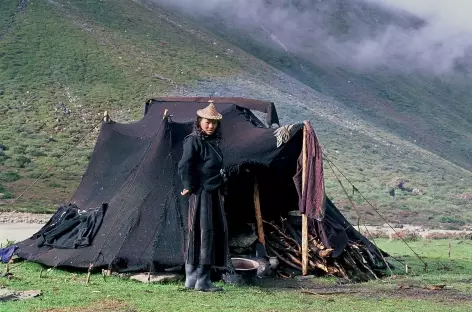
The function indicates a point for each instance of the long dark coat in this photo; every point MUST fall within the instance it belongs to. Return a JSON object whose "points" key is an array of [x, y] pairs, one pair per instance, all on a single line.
{"points": [[199, 170]]}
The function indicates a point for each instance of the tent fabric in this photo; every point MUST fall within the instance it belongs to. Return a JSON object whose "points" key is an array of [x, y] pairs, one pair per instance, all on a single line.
{"points": [[133, 169], [262, 106]]}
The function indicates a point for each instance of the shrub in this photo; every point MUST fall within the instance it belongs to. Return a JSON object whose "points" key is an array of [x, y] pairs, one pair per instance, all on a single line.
{"points": [[406, 235], [451, 220], [37, 153], [55, 185], [5, 194], [9, 176], [19, 149], [22, 161]]}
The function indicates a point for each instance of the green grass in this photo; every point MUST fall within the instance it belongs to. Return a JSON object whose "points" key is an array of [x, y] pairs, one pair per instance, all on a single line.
{"points": [[67, 290]]}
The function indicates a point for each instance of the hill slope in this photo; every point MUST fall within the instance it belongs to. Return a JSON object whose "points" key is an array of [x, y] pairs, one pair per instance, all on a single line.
{"points": [[434, 112], [62, 63]]}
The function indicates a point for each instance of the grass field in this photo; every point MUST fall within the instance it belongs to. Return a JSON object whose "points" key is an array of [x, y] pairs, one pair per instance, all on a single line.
{"points": [[66, 291]]}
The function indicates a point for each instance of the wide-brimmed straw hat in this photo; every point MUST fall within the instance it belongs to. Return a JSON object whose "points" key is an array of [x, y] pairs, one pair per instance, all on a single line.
{"points": [[209, 112]]}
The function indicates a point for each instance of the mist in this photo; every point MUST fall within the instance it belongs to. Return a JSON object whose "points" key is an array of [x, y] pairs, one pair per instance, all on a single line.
{"points": [[430, 36]]}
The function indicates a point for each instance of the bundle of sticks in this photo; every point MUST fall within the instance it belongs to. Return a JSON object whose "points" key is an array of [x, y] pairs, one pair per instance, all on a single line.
{"points": [[356, 262]]}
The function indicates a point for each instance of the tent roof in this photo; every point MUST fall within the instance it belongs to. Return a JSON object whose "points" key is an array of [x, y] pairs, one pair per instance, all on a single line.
{"points": [[186, 112]]}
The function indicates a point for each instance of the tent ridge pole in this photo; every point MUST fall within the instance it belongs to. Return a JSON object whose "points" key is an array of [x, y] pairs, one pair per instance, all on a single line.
{"points": [[304, 216], [257, 207]]}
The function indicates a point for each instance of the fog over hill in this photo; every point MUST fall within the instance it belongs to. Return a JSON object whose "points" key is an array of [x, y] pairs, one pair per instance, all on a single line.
{"points": [[431, 36], [401, 65]]}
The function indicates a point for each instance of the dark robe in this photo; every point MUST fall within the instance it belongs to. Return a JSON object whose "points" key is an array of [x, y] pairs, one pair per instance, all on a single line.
{"points": [[199, 169]]}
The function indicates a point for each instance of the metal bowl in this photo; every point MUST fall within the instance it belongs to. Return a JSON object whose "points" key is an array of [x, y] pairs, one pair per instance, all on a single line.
{"points": [[245, 272]]}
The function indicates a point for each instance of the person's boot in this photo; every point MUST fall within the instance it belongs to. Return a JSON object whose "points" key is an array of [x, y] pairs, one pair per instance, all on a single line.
{"points": [[190, 276], [204, 279]]}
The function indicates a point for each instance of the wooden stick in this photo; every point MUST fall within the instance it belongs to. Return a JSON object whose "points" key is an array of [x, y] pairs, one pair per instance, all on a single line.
{"points": [[329, 292], [304, 217], [257, 207], [282, 233], [89, 273], [283, 259]]}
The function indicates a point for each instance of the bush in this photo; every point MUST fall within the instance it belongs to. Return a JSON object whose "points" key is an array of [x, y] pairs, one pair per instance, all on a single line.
{"points": [[19, 149], [22, 161], [55, 185], [37, 153], [9, 176], [406, 235], [4, 193], [451, 220]]}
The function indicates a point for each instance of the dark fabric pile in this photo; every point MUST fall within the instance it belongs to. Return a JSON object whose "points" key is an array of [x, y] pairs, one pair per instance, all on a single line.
{"points": [[71, 227]]}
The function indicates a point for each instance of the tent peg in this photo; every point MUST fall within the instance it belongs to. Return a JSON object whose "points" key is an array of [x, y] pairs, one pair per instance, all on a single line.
{"points": [[106, 117], [89, 273]]}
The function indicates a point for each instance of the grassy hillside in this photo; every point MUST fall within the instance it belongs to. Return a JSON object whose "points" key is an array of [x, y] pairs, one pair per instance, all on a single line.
{"points": [[62, 63]]}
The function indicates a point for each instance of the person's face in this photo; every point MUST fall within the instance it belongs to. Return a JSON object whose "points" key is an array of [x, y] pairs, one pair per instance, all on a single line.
{"points": [[208, 126]]}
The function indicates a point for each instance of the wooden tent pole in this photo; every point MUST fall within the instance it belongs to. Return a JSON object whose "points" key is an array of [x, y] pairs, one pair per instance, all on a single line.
{"points": [[257, 206], [304, 216]]}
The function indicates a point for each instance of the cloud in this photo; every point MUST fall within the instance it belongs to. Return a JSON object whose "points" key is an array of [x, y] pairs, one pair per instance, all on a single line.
{"points": [[379, 32], [443, 41]]}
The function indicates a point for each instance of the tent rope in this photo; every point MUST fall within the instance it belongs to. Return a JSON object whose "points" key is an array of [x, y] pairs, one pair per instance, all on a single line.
{"points": [[371, 237], [355, 189], [54, 164]]}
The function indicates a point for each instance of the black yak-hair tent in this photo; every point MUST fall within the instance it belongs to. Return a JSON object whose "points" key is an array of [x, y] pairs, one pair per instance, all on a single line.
{"points": [[127, 213]]}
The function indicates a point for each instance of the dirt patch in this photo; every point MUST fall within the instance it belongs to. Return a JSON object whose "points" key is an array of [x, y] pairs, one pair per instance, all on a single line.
{"points": [[309, 286], [106, 305], [416, 293], [23, 217], [412, 232]]}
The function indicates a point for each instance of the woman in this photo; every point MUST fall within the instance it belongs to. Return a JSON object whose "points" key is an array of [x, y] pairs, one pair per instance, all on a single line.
{"points": [[201, 172]]}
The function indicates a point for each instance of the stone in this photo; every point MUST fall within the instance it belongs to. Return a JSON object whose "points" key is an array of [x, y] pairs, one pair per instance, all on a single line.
{"points": [[158, 277]]}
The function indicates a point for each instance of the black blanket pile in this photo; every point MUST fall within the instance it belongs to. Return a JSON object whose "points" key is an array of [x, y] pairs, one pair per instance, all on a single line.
{"points": [[71, 227]]}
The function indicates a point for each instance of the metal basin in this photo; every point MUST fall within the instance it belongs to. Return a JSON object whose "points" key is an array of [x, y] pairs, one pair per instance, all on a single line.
{"points": [[245, 272]]}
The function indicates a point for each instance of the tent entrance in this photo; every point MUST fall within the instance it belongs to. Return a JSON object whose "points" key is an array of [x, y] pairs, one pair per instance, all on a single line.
{"points": [[276, 195]]}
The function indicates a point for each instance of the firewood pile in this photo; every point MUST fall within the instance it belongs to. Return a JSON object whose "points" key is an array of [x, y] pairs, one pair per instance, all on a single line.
{"points": [[356, 263]]}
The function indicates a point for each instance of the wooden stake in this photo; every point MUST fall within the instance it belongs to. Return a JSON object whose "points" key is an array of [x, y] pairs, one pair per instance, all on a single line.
{"points": [[166, 113], [257, 206], [89, 273], [449, 251], [304, 217], [106, 117]]}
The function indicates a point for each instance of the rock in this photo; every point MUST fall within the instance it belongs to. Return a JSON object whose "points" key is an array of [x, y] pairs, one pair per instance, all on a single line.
{"points": [[158, 277]]}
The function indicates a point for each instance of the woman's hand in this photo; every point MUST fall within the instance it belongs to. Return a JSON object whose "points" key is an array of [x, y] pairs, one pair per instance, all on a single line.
{"points": [[184, 192]]}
